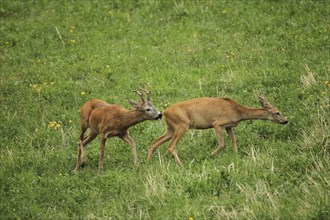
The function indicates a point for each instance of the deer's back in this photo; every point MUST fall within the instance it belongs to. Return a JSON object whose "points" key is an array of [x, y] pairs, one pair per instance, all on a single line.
{"points": [[109, 112], [87, 109], [201, 112]]}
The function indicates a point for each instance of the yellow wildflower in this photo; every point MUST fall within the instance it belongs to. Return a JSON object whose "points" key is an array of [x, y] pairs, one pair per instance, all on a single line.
{"points": [[54, 125], [38, 86]]}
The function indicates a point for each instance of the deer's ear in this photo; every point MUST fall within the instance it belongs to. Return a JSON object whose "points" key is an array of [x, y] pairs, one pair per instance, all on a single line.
{"points": [[264, 103]]}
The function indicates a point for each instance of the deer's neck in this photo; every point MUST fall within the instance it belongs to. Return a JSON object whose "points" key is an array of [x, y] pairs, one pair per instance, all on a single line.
{"points": [[253, 113], [131, 118]]}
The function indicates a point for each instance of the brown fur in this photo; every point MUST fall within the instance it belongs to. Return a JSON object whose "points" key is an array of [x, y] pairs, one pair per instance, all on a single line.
{"points": [[110, 120], [204, 113]]}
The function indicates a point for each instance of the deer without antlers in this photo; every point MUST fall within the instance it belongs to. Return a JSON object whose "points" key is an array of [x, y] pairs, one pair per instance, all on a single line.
{"points": [[204, 113], [110, 120]]}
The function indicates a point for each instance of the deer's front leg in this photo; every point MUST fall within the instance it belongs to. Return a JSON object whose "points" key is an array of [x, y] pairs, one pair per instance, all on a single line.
{"points": [[126, 138], [219, 135]]}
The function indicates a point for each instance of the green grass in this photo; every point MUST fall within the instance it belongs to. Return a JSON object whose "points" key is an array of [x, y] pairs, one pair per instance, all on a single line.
{"points": [[55, 55]]}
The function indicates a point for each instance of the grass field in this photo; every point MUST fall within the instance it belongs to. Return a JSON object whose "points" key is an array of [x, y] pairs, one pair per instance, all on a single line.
{"points": [[56, 55]]}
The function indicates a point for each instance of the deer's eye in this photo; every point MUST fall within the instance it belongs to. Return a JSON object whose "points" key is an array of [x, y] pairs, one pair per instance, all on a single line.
{"points": [[277, 113], [148, 110]]}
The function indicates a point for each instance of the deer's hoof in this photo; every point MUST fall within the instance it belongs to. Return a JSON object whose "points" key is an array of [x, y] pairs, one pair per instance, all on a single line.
{"points": [[83, 164]]}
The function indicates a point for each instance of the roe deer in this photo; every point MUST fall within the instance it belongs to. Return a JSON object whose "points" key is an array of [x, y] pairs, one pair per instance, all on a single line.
{"points": [[110, 120], [204, 113]]}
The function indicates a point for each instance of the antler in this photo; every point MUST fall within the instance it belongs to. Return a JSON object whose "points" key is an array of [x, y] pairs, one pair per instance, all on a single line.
{"points": [[148, 94], [140, 95]]}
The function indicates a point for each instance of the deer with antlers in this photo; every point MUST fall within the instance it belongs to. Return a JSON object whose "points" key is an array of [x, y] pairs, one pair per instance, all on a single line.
{"points": [[204, 113], [110, 120]]}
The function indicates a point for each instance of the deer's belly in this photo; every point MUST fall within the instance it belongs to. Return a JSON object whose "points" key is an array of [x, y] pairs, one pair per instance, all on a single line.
{"points": [[200, 125]]}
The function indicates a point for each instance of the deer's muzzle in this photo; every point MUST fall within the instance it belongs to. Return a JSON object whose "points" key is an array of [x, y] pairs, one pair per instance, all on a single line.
{"points": [[160, 115]]}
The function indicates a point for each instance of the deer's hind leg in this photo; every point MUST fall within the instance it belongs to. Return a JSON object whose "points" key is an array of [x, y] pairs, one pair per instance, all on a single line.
{"points": [[81, 154], [159, 141], [80, 149], [219, 135], [232, 138], [178, 133], [102, 146]]}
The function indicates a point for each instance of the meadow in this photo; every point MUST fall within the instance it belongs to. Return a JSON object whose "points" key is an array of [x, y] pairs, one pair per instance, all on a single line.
{"points": [[56, 55]]}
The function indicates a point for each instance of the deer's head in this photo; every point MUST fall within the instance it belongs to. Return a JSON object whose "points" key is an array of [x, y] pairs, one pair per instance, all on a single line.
{"points": [[145, 107], [273, 113]]}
